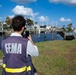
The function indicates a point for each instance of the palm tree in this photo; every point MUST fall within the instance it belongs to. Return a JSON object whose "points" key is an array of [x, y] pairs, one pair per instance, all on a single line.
{"points": [[8, 21], [69, 27], [29, 22], [0, 24]]}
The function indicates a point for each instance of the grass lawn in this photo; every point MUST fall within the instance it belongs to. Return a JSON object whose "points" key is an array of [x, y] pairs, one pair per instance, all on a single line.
{"points": [[56, 58]]}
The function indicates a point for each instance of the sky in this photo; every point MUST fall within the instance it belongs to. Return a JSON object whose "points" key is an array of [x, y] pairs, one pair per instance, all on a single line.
{"points": [[45, 12]]}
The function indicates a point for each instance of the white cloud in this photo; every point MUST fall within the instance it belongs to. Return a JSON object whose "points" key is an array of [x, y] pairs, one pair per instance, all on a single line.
{"points": [[62, 19], [21, 10], [72, 2], [43, 18], [65, 20], [23, 1]]}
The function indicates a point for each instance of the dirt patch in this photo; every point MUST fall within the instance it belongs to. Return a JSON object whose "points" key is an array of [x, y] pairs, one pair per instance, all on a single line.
{"points": [[50, 52]]}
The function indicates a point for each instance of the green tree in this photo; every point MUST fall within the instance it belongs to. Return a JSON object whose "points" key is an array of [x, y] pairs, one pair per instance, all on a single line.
{"points": [[29, 21], [8, 20], [69, 27], [0, 24], [5, 26]]}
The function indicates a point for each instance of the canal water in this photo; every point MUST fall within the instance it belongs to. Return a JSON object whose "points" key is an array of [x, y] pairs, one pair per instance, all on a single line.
{"points": [[46, 37], [41, 37]]}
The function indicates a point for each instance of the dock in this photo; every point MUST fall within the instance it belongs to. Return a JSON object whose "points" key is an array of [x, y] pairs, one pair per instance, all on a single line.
{"points": [[66, 35]]}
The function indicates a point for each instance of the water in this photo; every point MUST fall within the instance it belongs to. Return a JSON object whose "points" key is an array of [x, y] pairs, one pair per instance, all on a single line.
{"points": [[46, 37], [40, 38]]}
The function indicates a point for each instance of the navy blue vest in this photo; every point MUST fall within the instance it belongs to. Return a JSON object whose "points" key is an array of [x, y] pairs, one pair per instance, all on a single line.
{"points": [[14, 49]]}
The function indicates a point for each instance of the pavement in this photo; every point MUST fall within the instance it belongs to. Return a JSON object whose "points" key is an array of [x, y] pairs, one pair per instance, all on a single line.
{"points": [[1, 62]]}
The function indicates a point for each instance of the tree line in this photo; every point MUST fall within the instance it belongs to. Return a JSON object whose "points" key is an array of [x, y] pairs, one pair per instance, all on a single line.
{"points": [[8, 22]]}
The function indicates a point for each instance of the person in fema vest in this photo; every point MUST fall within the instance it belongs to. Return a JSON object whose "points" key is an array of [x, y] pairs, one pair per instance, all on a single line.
{"points": [[16, 50]]}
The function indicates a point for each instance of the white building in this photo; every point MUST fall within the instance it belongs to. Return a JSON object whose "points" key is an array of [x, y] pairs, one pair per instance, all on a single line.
{"points": [[75, 30], [48, 27]]}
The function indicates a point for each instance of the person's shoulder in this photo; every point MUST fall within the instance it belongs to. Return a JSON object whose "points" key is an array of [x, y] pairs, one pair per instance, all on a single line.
{"points": [[5, 39], [25, 39]]}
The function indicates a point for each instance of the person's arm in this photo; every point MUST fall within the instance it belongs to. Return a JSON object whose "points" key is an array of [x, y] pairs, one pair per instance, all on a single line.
{"points": [[30, 39], [32, 49]]}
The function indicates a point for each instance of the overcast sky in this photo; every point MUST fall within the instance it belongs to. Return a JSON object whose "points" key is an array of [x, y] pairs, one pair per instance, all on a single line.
{"points": [[54, 12]]}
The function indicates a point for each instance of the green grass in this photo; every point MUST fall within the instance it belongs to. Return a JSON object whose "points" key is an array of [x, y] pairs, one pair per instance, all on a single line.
{"points": [[1, 54], [55, 57]]}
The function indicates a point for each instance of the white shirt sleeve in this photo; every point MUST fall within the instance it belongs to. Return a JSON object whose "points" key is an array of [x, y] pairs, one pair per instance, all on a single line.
{"points": [[32, 50]]}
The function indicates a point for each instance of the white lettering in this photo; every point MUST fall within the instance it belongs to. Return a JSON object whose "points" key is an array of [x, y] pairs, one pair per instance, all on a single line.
{"points": [[15, 48], [19, 49], [8, 47]]}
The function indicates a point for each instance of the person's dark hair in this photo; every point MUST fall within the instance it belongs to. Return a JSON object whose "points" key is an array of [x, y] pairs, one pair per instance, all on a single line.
{"points": [[18, 22]]}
